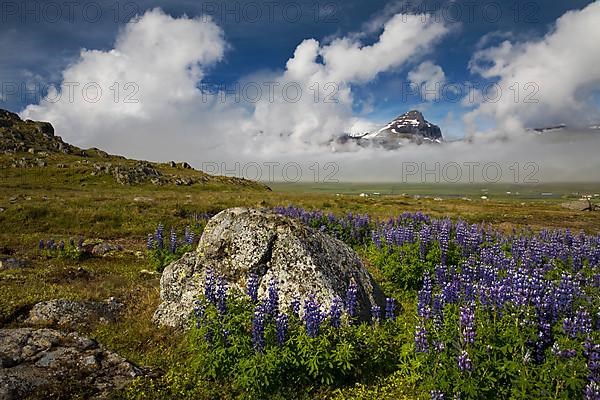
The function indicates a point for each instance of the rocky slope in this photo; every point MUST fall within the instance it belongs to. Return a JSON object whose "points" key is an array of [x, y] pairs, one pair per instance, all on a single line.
{"points": [[34, 145]]}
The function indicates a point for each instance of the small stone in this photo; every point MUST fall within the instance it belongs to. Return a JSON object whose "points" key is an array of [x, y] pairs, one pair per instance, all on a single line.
{"points": [[70, 313], [149, 274], [13, 263], [143, 199], [104, 248]]}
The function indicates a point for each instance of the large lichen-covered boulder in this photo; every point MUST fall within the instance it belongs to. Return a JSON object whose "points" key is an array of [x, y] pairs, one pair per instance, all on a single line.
{"points": [[50, 364], [240, 241]]}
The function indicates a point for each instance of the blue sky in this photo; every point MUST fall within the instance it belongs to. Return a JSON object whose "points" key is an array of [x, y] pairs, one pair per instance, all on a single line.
{"points": [[37, 48]]}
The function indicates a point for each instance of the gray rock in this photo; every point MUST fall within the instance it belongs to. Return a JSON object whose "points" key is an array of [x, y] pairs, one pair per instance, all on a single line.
{"points": [[46, 363], [13, 263], [71, 314], [101, 249], [241, 241]]}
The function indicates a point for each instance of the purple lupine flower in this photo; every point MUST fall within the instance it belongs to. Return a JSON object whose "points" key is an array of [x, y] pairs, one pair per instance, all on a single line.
{"points": [[173, 241], [312, 316], [41, 244], [464, 362], [210, 287], [581, 322], [421, 344], [221, 295], [281, 326], [467, 324], [567, 353], [335, 312], [258, 328], [61, 245], [592, 353], [71, 243], [390, 308], [158, 236], [436, 395], [252, 287], [273, 298], [351, 299], [198, 312], [50, 244], [295, 306], [592, 391], [375, 313], [150, 242], [424, 298], [424, 240], [225, 335], [188, 236], [438, 310], [80, 243]]}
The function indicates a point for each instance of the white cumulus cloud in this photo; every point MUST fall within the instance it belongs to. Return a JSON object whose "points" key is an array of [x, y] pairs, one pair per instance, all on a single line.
{"points": [[545, 81], [429, 79]]}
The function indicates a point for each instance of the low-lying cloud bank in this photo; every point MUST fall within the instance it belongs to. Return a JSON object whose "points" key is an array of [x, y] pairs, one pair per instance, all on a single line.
{"points": [[147, 98]]}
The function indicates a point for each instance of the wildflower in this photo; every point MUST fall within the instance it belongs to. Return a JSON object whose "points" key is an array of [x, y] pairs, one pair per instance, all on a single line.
{"points": [[188, 236], [150, 242], [580, 323], [282, 325], [198, 312], [421, 344], [464, 362], [295, 306], [273, 298], [258, 329], [173, 241], [390, 308], [252, 287], [158, 236], [335, 313], [41, 244], [61, 245], [592, 391], [436, 395], [312, 316], [467, 324], [375, 313], [351, 301], [210, 286], [221, 296]]}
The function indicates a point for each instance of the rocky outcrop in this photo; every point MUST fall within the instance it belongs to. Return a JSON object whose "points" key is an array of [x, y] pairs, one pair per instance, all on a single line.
{"points": [[241, 241], [17, 135], [70, 313], [46, 363]]}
